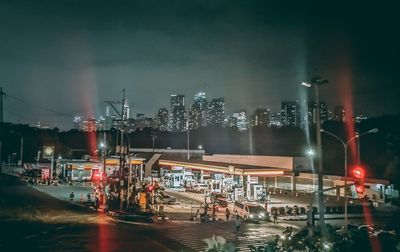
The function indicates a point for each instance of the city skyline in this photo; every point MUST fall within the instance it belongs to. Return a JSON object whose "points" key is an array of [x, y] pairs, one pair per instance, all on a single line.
{"points": [[202, 113], [59, 59]]}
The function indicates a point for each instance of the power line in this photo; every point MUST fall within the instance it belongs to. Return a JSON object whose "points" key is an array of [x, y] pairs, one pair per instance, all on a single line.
{"points": [[39, 106]]}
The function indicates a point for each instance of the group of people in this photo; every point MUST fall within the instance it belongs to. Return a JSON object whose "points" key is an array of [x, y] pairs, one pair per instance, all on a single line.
{"points": [[227, 215]]}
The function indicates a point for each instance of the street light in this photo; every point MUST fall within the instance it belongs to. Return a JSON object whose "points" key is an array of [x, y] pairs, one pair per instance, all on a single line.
{"points": [[104, 152], [316, 82], [345, 145], [188, 136], [21, 145], [310, 152]]}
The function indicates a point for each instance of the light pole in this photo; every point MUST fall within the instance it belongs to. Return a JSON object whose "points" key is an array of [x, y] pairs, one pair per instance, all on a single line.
{"points": [[128, 183], [316, 82], [188, 136], [153, 124], [104, 151], [21, 144], [345, 145]]}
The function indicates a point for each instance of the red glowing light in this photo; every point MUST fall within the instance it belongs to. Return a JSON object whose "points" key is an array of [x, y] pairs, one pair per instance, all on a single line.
{"points": [[359, 189], [359, 173]]}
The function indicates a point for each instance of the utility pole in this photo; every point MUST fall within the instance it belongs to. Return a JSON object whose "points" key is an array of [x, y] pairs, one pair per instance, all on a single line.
{"points": [[321, 207], [1, 104], [188, 136], [119, 146], [316, 82], [122, 150], [1, 122]]}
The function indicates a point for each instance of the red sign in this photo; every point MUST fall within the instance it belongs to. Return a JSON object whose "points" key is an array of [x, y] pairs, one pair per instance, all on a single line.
{"points": [[45, 174], [97, 176]]}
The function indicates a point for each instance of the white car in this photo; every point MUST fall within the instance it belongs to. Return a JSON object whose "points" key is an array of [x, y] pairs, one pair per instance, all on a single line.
{"points": [[201, 188], [250, 212]]}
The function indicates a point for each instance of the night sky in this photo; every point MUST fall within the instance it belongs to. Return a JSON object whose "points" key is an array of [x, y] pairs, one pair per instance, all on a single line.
{"points": [[60, 58]]}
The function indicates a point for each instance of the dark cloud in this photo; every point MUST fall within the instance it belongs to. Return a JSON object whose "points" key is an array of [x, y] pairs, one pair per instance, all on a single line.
{"points": [[71, 55]]}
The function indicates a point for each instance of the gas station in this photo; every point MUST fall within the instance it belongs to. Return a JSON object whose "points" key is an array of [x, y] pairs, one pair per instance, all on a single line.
{"points": [[253, 175]]}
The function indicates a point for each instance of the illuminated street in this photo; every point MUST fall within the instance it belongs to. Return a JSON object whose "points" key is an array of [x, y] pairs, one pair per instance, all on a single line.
{"points": [[50, 224], [30, 219]]}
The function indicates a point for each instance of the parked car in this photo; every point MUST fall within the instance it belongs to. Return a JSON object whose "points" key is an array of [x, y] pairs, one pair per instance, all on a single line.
{"points": [[165, 199], [221, 202], [218, 196], [201, 188], [28, 176]]}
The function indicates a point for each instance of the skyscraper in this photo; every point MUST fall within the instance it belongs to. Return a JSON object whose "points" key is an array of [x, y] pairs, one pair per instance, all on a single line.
{"points": [[162, 118], [109, 119], [340, 114], [312, 111], [78, 122], [140, 121], [275, 120], [126, 110], [290, 115], [216, 112], [193, 117], [232, 122], [198, 111], [261, 117], [242, 123], [178, 113]]}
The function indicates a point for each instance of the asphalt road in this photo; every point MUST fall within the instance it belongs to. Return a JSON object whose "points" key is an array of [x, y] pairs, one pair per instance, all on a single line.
{"points": [[34, 221]]}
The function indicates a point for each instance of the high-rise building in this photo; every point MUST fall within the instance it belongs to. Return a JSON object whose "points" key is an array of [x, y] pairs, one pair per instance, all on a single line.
{"points": [[108, 120], [261, 117], [148, 122], [162, 118], [140, 121], [323, 110], [89, 124], [78, 122], [340, 114], [232, 122], [178, 113], [130, 124], [198, 111], [177, 100], [193, 118], [290, 114], [126, 110], [275, 120], [242, 123], [216, 112], [312, 112]]}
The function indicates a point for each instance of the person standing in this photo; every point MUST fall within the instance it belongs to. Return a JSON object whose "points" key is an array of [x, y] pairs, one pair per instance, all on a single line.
{"points": [[227, 213], [237, 224], [275, 217], [198, 216]]}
